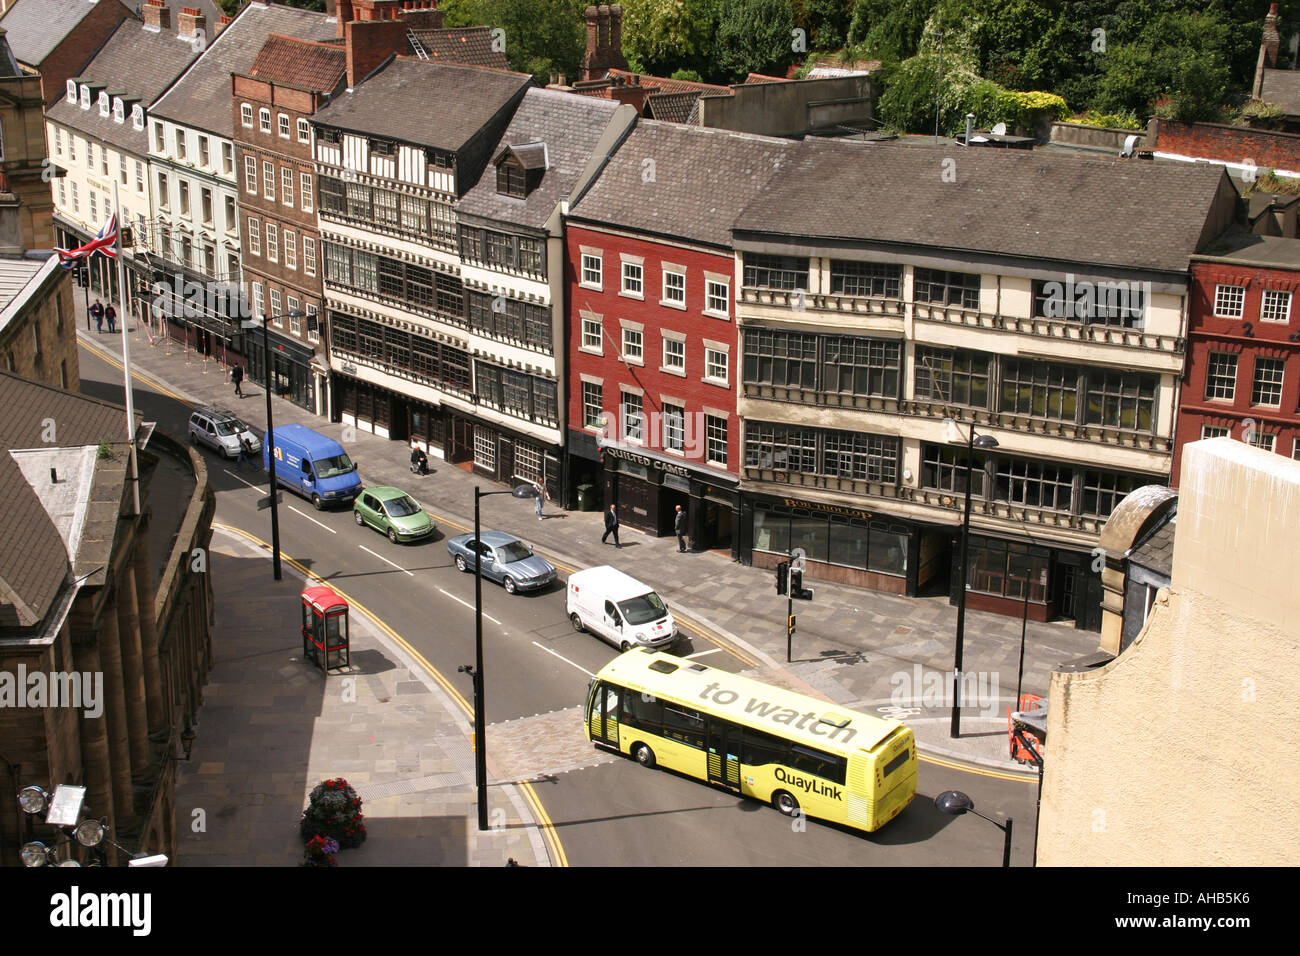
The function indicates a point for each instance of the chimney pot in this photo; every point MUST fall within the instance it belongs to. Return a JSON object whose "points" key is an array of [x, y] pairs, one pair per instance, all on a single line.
{"points": [[156, 15]]}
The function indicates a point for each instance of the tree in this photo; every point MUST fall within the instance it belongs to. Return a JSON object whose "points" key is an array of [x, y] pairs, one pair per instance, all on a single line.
{"points": [[756, 36], [889, 29], [828, 23], [541, 37], [661, 36], [1177, 56]]}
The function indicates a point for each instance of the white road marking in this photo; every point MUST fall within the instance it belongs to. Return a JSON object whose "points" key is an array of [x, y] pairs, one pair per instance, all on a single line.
{"points": [[237, 478], [712, 650], [565, 659], [470, 606], [314, 521], [385, 560]]}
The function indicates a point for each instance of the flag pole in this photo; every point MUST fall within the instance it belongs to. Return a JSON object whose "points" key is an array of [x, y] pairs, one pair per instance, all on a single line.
{"points": [[123, 315]]}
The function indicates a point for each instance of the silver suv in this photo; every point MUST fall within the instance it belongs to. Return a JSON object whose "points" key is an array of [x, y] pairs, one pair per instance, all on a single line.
{"points": [[221, 430]]}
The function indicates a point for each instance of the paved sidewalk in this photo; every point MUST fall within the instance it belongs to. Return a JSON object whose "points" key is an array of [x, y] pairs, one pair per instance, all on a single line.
{"points": [[877, 652], [272, 726]]}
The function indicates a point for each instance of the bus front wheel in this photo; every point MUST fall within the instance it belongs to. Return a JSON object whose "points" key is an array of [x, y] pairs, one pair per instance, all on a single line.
{"points": [[785, 802], [644, 755]]}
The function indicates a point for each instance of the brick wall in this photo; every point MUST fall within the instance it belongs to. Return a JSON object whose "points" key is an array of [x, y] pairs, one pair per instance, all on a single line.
{"points": [[1267, 149], [1248, 338], [79, 47], [654, 318]]}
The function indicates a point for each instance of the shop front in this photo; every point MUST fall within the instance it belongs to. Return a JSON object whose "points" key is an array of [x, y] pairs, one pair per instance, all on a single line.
{"points": [[843, 544], [503, 454], [1038, 581], [291, 367], [647, 488]]}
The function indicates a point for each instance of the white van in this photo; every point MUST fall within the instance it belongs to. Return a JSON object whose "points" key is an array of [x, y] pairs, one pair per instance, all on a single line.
{"points": [[618, 608]]}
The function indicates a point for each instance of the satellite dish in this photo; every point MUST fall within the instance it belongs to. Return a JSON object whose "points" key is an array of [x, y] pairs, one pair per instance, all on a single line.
{"points": [[999, 130], [1130, 144]]}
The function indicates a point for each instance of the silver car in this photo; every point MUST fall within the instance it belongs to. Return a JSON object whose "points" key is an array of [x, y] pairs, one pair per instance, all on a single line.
{"points": [[221, 430], [506, 559]]}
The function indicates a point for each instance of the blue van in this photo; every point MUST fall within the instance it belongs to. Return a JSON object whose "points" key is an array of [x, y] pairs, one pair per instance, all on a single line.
{"points": [[312, 465]]}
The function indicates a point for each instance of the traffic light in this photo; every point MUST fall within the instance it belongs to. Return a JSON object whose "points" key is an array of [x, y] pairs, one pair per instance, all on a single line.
{"points": [[797, 590], [782, 575]]}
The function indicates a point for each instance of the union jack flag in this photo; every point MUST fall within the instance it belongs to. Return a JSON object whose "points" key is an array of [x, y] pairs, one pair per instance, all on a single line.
{"points": [[105, 244]]}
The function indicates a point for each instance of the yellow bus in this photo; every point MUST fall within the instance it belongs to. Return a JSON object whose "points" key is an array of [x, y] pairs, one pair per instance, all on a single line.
{"points": [[793, 751]]}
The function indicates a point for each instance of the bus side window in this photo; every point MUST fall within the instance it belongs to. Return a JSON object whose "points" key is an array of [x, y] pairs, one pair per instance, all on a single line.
{"points": [[816, 762], [683, 725], [760, 749], [644, 711]]}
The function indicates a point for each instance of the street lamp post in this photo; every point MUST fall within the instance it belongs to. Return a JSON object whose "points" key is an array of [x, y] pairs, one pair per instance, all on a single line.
{"points": [[269, 441], [480, 702], [982, 441], [955, 803]]}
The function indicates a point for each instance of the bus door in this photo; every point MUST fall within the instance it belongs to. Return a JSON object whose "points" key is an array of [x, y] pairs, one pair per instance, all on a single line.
{"points": [[603, 716], [723, 747]]}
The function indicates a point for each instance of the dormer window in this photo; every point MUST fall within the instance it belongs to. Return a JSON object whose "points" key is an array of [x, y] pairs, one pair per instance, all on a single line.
{"points": [[137, 116], [103, 103], [72, 91], [85, 96], [511, 179], [119, 111]]}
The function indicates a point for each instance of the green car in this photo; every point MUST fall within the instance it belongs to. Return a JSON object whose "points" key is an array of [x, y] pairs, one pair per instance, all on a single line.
{"points": [[393, 512]]}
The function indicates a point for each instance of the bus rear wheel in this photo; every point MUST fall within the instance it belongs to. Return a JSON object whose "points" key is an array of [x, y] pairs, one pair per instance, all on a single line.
{"points": [[785, 802], [644, 756]]}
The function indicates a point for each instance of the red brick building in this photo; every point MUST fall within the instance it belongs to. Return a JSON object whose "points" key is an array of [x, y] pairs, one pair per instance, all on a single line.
{"points": [[1242, 376], [652, 344]]}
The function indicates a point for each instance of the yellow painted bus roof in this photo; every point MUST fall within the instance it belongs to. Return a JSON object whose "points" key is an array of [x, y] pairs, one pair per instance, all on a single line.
{"points": [[756, 704]]}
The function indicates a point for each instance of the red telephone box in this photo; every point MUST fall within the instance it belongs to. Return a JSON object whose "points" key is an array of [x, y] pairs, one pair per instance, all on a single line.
{"points": [[325, 628]]}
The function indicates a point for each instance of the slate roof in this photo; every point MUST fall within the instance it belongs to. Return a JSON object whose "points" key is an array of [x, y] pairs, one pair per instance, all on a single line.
{"points": [[1157, 552], [702, 178], [36, 27], [289, 61], [1280, 87], [429, 104], [570, 126], [467, 46], [673, 107], [664, 84], [33, 556], [1038, 206], [138, 61], [8, 65], [201, 98]]}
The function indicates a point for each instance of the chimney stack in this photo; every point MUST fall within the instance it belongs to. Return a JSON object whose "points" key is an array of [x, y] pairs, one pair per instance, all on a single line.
{"points": [[1268, 47], [604, 42], [369, 43], [190, 22], [156, 15]]}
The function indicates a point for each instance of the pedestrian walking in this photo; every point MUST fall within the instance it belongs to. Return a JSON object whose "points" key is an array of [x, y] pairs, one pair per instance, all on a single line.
{"points": [[611, 525], [541, 496], [110, 314], [97, 313], [679, 528], [237, 376], [245, 453]]}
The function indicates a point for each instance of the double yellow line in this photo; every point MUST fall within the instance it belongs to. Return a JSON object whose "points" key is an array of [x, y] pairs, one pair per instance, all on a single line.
{"points": [[544, 822]]}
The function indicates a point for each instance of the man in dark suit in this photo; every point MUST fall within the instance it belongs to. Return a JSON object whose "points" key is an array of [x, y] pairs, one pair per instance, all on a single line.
{"points": [[679, 528], [611, 525]]}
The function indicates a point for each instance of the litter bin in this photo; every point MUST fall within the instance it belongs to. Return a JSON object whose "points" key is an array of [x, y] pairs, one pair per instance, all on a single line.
{"points": [[586, 497]]}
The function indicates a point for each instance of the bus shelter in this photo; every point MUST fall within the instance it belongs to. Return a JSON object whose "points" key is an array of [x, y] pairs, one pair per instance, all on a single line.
{"points": [[325, 639]]}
